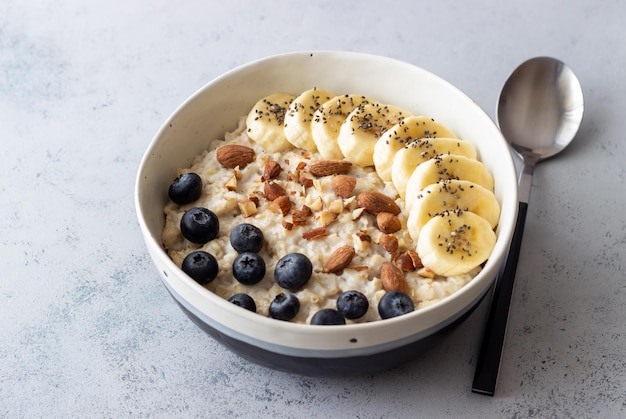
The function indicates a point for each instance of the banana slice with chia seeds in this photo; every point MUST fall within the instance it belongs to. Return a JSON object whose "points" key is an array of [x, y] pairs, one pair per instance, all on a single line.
{"points": [[363, 127], [265, 122], [449, 196], [421, 150], [455, 243], [300, 114], [398, 136], [446, 167], [327, 122]]}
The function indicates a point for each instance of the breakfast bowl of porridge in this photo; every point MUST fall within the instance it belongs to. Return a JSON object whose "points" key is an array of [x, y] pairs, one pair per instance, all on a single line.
{"points": [[327, 213]]}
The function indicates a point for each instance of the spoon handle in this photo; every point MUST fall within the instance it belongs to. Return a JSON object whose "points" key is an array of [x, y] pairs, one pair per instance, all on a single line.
{"points": [[490, 354]]}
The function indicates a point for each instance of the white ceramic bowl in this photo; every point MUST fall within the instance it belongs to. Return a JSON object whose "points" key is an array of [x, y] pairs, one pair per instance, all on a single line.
{"points": [[329, 350]]}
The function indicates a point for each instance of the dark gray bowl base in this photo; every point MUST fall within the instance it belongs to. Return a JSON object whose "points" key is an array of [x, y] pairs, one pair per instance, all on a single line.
{"points": [[329, 367]]}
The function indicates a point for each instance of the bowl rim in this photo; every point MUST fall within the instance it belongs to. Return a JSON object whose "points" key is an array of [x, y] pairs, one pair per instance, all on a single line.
{"points": [[504, 230]]}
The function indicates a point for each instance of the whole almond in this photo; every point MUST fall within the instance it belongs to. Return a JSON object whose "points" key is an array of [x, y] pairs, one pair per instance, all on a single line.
{"points": [[339, 259], [343, 185], [389, 242], [387, 222], [329, 167], [271, 170], [393, 278], [233, 155], [375, 202], [273, 190]]}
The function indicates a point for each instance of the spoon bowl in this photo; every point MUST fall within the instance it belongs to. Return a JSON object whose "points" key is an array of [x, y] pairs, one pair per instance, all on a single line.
{"points": [[539, 112], [540, 108]]}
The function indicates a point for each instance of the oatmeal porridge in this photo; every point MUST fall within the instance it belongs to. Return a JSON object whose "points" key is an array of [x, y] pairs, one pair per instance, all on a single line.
{"points": [[274, 211]]}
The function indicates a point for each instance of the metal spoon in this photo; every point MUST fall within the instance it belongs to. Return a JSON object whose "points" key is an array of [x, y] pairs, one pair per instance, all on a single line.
{"points": [[539, 112]]}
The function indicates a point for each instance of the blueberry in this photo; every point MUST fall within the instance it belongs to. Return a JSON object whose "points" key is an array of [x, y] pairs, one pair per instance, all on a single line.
{"points": [[352, 304], [284, 307], [327, 316], [244, 301], [186, 188], [395, 303], [249, 268], [293, 271], [246, 238], [201, 266], [199, 225]]}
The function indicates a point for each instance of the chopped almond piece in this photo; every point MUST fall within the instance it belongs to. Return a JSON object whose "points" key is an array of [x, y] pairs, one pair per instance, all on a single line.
{"points": [[326, 217], [271, 170], [364, 236], [247, 208], [336, 206], [314, 233], [273, 190], [283, 203], [287, 224], [231, 185]]}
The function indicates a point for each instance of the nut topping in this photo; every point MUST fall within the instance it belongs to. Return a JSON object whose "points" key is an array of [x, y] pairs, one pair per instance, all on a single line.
{"points": [[415, 258], [339, 259], [305, 181], [375, 202], [364, 237], [300, 216], [343, 185], [283, 203], [409, 261], [271, 170], [231, 184], [247, 208], [387, 222], [393, 278], [273, 190], [326, 217], [389, 242], [329, 167], [233, 155], [314, 233]]}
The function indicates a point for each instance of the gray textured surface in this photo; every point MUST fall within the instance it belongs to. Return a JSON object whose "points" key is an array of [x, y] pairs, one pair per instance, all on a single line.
{"points": [[89, 331]]}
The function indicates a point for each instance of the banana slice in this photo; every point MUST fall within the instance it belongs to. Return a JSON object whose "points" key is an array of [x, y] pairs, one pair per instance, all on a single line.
{"points": [[327, 121], [446, 167], [265, 122], [300, 114], [363, 127], [410, 156], [455, 243], [449, 196], [406, 131]]}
